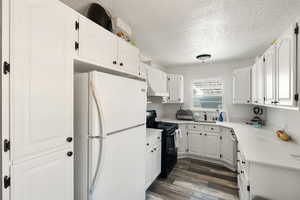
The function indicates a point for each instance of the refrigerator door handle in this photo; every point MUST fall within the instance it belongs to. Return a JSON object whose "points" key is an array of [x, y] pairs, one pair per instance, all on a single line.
{"points": [[99, 160]]}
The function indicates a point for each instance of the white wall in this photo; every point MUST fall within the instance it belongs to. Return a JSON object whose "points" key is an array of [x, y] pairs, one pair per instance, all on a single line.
{"points": [[284, 119], [222, 70]]}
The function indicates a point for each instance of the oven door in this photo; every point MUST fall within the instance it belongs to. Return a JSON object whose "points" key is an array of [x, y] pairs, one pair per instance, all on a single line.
{"points": [[169, 154]]}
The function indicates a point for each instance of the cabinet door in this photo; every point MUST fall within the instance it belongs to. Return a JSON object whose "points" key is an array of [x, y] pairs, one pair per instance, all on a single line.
{"points": [[42, 50], [260, 81], [157, 161], [254, 95], [196, 143], [149, 166], [183, 141], [228, 147], [97, 45], [128, 57], [48, 177], [270, 75], [286, 68], [242, 86], [175, 88], [212, 145]]}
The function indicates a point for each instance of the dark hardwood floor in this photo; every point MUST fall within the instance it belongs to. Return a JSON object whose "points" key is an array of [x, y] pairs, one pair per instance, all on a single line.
{"points": [[195, 180]]}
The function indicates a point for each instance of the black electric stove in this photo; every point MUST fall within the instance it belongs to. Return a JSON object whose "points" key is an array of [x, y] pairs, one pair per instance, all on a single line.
{"points": [[168, 147]]}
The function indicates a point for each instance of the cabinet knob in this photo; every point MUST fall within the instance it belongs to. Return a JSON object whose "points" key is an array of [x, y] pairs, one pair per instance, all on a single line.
{"points": [[205, 134], [242, 172], [200, 133], [70, 153], [243, 162], [69, 139], [151, 151], [121, 64], [154, 149], [158, 137], [147, 144], [114, 62]]}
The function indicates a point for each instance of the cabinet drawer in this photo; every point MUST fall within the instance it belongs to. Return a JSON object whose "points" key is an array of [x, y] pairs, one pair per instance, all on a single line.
{"points": [[195, 127], [214, 129], [152, 141]]}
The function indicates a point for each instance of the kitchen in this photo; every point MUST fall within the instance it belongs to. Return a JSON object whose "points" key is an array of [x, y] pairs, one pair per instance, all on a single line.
{"points": [[106, 100]]}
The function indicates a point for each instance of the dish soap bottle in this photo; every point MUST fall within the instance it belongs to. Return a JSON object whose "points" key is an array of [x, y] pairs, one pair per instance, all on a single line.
{"points": [[221, 118]]}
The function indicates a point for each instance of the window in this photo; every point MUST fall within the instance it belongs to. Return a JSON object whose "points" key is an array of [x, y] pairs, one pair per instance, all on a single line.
{"points": [[208, 94]]}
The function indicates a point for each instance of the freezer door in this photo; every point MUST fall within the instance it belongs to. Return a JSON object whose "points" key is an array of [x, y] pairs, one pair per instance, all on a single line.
{"points": [[119, 102], [122, 168]]}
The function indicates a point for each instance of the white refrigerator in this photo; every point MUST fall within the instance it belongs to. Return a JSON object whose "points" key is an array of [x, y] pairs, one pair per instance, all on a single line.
{"points": [[110, 134]]}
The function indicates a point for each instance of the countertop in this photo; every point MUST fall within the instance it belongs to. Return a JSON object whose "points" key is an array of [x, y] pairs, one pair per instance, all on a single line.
{"points": [[152, 131], [259, 145]]}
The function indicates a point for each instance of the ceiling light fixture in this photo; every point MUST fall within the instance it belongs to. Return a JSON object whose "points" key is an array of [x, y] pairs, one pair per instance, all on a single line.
{"points": [[203, 57]]}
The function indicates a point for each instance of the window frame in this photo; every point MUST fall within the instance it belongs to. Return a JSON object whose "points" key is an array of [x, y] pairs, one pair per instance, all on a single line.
{"points": [[206, 109]]}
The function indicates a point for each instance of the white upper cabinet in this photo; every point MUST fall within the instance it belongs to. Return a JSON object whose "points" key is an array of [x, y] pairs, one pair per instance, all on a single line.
{"points": [[258, 85], [96, 44], [286, 68], [175, 88], [100, 47], [42, 51], [270, 75], [128, 57], [242, 86], [254, 96]]}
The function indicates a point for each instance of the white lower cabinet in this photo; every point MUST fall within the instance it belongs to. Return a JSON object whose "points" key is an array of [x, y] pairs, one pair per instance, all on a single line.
{"points": [[196, 143], [182, 141], [212, 145], [228, 147], [153, 158], [48, 177]]}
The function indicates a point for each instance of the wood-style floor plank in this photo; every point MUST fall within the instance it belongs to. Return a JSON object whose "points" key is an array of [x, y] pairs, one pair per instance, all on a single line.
{"points": [[195, 180]]}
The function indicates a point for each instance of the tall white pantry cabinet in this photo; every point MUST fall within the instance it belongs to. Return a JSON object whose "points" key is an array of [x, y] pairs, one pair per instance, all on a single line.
{"points": [[37, 50]]}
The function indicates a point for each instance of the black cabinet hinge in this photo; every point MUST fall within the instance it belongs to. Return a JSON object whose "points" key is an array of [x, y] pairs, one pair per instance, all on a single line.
{"points": [[248, 188], [221, 155], [6, 67], [6, 145], [76, 25], [221, 137], [6, 182], [264, 59], [76, 45], [297, 30], [296, 97]]}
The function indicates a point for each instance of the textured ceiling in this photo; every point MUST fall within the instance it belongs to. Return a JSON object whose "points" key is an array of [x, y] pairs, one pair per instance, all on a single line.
{"points": [[173, 32]]}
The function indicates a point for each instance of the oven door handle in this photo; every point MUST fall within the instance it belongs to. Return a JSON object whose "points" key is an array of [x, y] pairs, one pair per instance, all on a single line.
{"points": [[172, 134]]}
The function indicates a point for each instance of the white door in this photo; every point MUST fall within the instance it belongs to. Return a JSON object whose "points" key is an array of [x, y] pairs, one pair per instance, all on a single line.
{"points": [[42, 48], [286, 68], [48, 177], [196, 143], [212, 145], [97, 45], [183, 141], [270, 75], [242, 86], [128, 57], [122, 102], [260, 81], [228, 147]]}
